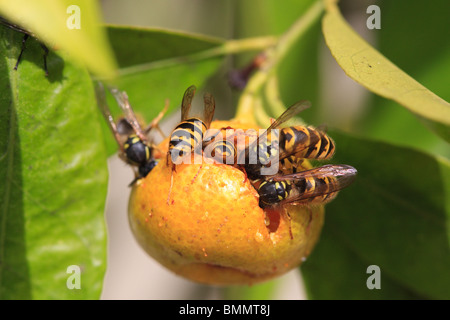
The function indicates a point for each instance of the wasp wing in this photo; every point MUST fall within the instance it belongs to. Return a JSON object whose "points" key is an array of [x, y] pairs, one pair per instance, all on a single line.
{"points": [[285, 116], [210, 106], [326, 179], [124, 104], [187, 102], [103, 106], [291, 112]]}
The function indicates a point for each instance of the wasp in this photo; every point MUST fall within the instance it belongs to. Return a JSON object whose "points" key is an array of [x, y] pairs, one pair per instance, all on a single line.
{"points": [[266, 148], [134, 146], [221, 146], [314, 186], [27, 34], [298, 143], [187, 137], [310, 187], [289, 147]]}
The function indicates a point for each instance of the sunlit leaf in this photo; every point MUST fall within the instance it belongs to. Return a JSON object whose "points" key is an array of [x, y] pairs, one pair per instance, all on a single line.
{"points": [[423, 58], [54, 178], [49, 20], [367, 66]]}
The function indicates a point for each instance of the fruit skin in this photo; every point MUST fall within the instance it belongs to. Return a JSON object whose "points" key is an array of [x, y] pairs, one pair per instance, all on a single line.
{"points": [[212, 230]]}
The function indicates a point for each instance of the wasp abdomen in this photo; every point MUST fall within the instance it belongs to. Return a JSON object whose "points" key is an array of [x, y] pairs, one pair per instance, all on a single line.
{"points": [[145, 168], [187, 136], [306, 142], [315, 190], [224, 152], [136, 150]]}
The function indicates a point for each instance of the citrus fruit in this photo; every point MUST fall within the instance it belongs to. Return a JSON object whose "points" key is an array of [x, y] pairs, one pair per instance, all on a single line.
{"points": [[203, 222]]}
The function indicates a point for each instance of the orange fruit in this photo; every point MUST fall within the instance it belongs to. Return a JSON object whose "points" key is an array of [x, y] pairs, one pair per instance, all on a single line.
{"points": [[209, 227]]}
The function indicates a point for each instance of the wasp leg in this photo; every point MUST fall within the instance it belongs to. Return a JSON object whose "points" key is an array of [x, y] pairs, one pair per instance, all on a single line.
{"points": [[195, 177], [155, 122], [310, 219], [24, 40], [44, 47], [136, 177], [288, 218], [245, 173], [170, 189], [174, 168]]}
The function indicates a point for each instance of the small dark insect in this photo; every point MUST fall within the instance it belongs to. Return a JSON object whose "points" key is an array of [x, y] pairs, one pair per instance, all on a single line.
{"points": [[27, 34]]}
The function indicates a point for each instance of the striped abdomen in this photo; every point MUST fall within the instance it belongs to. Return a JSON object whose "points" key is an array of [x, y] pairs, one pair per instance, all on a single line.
{"points": [[314, 189], [224, 151], [306, 190], [187, 136], [306, 142], [291, 164]]}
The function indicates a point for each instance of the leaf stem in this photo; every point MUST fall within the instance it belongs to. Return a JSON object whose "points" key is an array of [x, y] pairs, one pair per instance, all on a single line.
{"points": [[227, 48], [275, 55]]}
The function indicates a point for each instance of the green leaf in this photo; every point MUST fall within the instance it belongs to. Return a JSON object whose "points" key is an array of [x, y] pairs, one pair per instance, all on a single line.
{"points": [[164, 66], [394, 216], [262, 89], [368, 67], [155, 45], [54, 177], [49, 20], [386, 120]]}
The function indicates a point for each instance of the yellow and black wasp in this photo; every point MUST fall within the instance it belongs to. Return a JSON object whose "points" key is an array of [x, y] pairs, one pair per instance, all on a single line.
{"points": [[187, 137], [314, 186], [221, 146], [27, 34], [299, 142], [293, 183], [134, 145], [289, 147], [267, 148], [309, 187]]}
